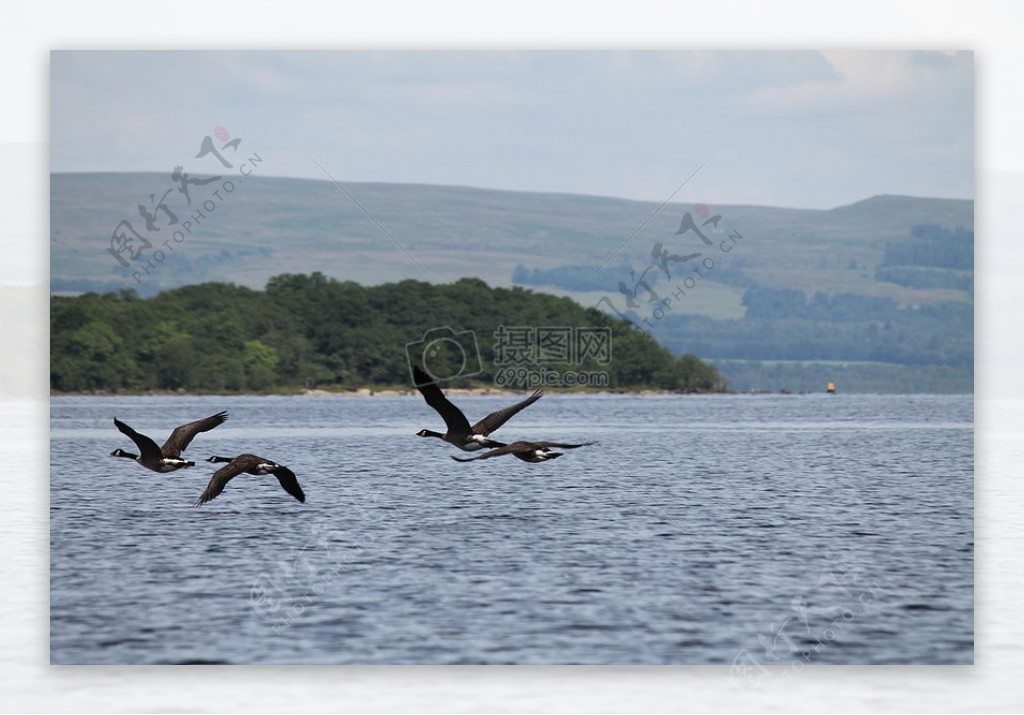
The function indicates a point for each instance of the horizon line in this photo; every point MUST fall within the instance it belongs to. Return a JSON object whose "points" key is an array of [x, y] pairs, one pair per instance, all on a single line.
{"points": [[538, 192]]}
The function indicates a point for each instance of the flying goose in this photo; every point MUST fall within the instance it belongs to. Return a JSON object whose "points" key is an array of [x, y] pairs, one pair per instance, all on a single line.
{"points": [[526, 451], [167, 458], [459, 432], [248, 464]]}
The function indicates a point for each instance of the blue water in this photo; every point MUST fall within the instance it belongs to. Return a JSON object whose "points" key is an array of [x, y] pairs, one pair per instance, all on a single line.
{"points": [[745, 530]]}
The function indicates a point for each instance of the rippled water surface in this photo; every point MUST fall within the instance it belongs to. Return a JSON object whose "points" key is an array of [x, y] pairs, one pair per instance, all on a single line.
{"points": [[726, 529]]}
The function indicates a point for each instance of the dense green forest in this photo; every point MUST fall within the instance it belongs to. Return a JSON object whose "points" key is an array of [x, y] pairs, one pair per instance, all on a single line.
{"points": [[584, 278], [792, 338], [934, 257], [869, 343], [572, 277], [933, 246], [782, 324], [310, 331]]}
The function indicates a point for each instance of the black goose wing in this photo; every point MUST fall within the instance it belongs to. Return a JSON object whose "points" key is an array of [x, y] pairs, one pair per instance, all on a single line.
{"points": [[182, 436], [222, 476], [507, 449], [452, 415], [496, 419], [148, 449], [561, 445], [290, 483]]}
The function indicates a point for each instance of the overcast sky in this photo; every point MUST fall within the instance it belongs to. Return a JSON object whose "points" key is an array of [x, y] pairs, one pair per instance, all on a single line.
{"points": [[800, 129]]}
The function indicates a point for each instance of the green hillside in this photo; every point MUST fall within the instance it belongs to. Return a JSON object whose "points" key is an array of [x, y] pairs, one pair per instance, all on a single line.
{"points": [[909, 253], [269, 225], [311, 331]]}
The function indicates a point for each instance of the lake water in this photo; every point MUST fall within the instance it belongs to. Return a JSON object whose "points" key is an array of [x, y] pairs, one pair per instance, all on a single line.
{"points": [[743, 530]]}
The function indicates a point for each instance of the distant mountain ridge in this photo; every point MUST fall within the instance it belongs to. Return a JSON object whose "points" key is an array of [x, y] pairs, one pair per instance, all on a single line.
{"points": [[267, 225], [616, 254]]}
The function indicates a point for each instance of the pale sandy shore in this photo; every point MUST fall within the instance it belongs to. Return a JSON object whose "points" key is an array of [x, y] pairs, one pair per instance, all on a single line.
{"points": [[388, 392], [474, 392]]}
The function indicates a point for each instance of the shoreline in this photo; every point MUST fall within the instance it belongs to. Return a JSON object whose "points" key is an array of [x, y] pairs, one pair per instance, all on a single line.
{"points": [[390, 392], [474, 392]]}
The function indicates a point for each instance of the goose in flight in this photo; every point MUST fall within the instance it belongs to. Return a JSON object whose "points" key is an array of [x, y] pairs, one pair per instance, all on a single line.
{"points": [[459, 431], [167, 458], [526, 451], [248, 464]]}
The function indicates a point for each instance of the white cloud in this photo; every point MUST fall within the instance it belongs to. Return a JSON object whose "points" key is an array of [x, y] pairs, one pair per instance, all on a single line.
{"points": [[613, 123], [862, 79]]}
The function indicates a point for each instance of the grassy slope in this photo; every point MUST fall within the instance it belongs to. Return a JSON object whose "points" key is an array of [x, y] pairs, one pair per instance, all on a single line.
{"points": [[451, 232], [454, 232]]}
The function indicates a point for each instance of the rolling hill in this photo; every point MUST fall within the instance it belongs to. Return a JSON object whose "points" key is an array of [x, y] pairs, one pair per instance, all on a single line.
{"points": [[878, 248]]}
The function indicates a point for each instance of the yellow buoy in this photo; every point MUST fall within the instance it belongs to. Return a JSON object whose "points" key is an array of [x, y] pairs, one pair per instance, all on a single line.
{"points": [[831, 388]]}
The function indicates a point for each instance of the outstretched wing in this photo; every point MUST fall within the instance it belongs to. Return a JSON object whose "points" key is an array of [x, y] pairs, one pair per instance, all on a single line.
{"points": [[220, 479], [147, 447], [507, 449], [560, 445], [181, 436], [452, 415], [496, 419], [289, 483]]}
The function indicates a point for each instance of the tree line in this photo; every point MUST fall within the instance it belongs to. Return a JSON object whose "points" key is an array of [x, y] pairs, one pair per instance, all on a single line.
{"points": [[783, 324], [313, 331]]}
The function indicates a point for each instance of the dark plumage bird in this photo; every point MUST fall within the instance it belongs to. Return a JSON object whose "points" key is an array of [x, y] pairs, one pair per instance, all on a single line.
{"points": [[167, 458], [249, 464], [526, 451], [459, 431]]}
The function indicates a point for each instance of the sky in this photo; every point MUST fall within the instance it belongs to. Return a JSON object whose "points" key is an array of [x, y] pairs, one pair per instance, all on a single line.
{"points": [[993, 29], [786, 128]]}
